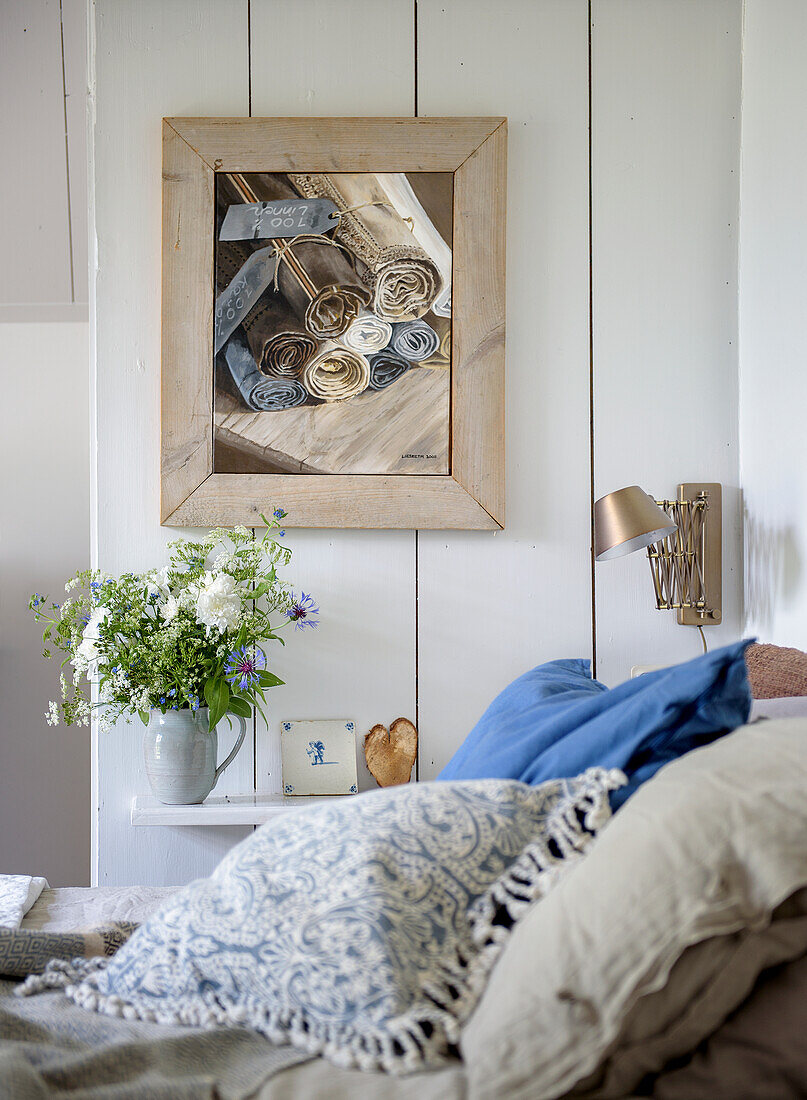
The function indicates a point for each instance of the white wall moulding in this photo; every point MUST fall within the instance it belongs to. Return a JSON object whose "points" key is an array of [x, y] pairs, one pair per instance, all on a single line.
{"points": [[474, 151], [35, 228]]}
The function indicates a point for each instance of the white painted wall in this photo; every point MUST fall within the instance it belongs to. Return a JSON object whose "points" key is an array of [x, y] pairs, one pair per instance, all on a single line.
{"points": [[773, 334], [436, 624], [44, 539], [44, 450]]}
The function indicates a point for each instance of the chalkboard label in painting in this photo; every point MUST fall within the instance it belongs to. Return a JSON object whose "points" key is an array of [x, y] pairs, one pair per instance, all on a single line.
{"points": [[282, 218]]}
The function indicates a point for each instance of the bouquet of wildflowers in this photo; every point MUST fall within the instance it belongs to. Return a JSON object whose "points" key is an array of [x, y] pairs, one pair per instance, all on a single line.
{"points": [[187, 635]]}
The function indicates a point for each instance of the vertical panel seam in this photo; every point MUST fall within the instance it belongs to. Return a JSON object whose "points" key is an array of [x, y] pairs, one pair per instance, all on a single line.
{"points": [[254, 532], [417, 533], [591, 348], [67, 158]]}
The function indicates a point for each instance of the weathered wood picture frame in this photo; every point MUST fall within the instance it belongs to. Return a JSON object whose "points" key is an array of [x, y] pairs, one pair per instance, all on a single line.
{"points": [[471, 495]]}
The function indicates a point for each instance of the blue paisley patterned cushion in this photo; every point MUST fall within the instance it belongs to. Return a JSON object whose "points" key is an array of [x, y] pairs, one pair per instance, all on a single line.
{"points": [[362, 929]]}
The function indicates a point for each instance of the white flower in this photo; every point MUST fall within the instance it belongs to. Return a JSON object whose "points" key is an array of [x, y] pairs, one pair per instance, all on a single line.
{"points": [[87, 652], [218, 604], [169, 609], [52, 717], [161, 579]]}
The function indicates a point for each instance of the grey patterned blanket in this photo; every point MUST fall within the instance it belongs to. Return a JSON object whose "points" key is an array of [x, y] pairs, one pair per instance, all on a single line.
{"points": [[51, 1047], [24, 952]]}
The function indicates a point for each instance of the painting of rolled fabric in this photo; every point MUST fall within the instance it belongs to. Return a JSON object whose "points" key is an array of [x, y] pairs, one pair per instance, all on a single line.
{"points": [[414, 340], [259, 392], [367, 334], [336, 373], [404, 278], [311, 376], [386, 367]]}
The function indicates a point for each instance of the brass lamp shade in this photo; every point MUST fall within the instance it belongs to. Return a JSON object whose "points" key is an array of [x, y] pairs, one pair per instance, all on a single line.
{"points": [[627, 520]]}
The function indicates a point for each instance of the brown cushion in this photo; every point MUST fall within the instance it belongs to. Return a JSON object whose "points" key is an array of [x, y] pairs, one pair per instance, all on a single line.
{"points": [[760, 1052], [775, 671]]}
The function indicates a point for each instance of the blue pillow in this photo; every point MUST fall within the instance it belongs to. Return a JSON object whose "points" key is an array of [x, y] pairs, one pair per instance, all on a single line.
{"points": [[362, 928], [556, 721]]}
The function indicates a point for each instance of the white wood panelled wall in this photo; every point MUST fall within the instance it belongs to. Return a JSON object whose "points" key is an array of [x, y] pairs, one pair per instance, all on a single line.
{"points": [[773, 338], [433, 625], [665, 169]]}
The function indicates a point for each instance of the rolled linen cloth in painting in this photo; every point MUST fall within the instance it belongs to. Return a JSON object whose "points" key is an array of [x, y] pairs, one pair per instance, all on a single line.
{"points": [[404, 279], [313, 273], [319, 283], [278, 339], [403, 198], [259, 392], [336, 373], [386, 367], [414, 340], [441, 359], [367, 334]]}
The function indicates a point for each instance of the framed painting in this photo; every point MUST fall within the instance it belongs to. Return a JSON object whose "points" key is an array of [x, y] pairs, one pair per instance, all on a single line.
{"points": [[333, 321]]}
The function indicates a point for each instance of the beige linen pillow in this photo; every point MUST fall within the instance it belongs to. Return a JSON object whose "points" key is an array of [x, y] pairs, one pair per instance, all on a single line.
{"points": [[760, 1053], [710, 980], [708, 847]]}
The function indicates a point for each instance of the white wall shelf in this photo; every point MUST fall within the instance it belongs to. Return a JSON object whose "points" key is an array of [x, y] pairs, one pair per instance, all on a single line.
{"points": [[239, 809]]}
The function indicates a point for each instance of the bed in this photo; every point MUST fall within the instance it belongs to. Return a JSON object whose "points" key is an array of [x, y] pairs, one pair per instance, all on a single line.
{"points": [[669, 959], [63, 910]]}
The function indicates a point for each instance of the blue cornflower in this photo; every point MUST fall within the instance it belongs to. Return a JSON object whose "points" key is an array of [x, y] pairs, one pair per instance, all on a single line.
{"points": [[162, 699], [280, 534], [172, 693], [301, 611], [243, 667], [279, 513]]}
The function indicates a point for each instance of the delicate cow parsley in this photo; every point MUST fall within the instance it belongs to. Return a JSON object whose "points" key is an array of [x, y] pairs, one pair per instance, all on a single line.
{"points": [[187, 635]]}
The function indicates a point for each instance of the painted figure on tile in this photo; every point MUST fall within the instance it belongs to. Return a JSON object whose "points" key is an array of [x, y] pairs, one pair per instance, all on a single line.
{"points": [[316, 751]]}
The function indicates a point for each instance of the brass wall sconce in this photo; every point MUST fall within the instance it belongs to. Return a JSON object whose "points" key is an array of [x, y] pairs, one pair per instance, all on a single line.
{"points": [[684, 545]]}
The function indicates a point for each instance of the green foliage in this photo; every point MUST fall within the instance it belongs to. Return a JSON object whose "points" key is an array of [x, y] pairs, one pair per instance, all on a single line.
{"points": [[162, 639]]}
